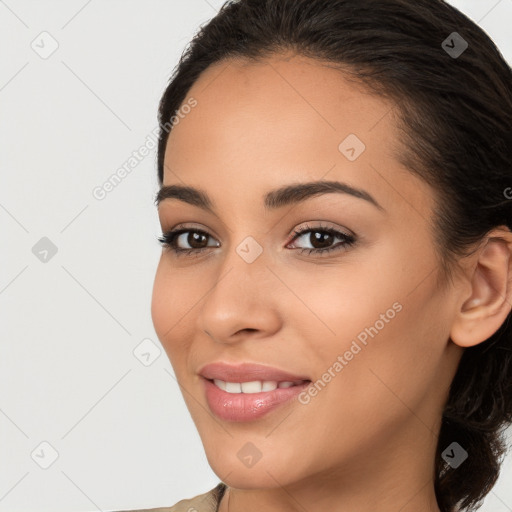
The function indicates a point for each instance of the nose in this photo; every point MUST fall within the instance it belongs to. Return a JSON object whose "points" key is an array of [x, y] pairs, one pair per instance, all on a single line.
{"points": [[241, 302]]}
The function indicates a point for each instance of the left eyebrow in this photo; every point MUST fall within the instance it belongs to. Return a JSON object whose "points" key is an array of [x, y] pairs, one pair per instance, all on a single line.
{"points": [[273, 200]]}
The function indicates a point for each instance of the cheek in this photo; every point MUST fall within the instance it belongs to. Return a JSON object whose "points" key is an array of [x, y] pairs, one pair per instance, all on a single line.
{"points": [[392, 360], [171, 300], [340, 303], [376, 384], [160, 303], [378, 318]]}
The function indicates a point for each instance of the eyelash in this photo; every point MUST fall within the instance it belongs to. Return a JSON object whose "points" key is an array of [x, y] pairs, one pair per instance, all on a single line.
{"points": [[168, 240]]}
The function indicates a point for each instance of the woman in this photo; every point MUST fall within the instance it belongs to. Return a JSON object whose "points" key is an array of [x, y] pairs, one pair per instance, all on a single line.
{"points": [[334, 291]]}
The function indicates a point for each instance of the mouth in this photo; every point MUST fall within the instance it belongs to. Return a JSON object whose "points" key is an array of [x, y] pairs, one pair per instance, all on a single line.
{"points": [[250, 400], [249, 391]]}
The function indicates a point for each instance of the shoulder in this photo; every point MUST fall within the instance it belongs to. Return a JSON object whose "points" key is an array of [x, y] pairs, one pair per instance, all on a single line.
{"points": [[206, 502]]}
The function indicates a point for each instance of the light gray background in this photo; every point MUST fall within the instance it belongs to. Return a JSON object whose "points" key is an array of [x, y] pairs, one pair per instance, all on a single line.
{"points": [[69, 326]]}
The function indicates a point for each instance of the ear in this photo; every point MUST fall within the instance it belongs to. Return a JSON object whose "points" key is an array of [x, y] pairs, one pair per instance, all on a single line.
{"points": [[490, 300]]}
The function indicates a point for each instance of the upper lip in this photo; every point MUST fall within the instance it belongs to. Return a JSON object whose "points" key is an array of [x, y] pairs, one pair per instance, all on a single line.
{"points": [[247, 372]]}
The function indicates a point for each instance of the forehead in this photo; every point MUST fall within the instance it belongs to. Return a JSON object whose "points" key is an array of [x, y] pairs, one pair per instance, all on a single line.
{"points": [[288, 118], [284, 102]]}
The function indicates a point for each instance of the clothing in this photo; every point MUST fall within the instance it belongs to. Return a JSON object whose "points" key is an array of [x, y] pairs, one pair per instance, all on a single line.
{"points": [[206, 502]]}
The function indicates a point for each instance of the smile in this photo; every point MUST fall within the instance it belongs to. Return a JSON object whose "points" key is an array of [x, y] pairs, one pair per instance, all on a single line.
{"points": [[256, 386]]}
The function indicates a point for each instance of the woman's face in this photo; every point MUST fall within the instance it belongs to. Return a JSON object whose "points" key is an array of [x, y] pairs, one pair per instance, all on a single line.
{"points": [[366, 319]]}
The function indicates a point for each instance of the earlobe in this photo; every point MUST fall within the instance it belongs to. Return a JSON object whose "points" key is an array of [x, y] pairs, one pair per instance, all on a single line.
{"points": [[482, 313]]}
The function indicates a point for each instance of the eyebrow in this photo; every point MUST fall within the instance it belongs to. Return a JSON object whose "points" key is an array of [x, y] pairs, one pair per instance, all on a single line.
{"points": [[284, 196]]}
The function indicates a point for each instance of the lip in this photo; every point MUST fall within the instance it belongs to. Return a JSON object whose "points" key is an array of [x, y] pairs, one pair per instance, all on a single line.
{"points": [[247, 372], [242, 407]]}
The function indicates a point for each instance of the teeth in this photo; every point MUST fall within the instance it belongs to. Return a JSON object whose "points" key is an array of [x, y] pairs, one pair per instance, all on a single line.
{"points": [[233, 387], [220, 384], [256, 386], [268, 385]]}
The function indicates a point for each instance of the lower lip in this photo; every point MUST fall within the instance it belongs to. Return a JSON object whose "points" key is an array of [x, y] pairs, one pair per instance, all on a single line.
{"points": [[247, 406]]}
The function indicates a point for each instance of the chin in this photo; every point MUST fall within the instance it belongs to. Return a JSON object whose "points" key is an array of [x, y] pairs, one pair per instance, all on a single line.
{"points": [[264, 474]]}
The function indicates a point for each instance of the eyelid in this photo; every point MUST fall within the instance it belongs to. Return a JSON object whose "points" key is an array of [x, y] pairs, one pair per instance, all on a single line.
{"points": [[311, 225], [193, 227]]}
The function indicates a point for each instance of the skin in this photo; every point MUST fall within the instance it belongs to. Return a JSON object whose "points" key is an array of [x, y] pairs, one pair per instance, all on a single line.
{"points": [[369, 436]]}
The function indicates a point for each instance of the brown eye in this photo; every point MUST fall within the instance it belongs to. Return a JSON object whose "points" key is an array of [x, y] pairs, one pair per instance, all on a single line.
{"points": [[321, 239], [196, 239]]}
